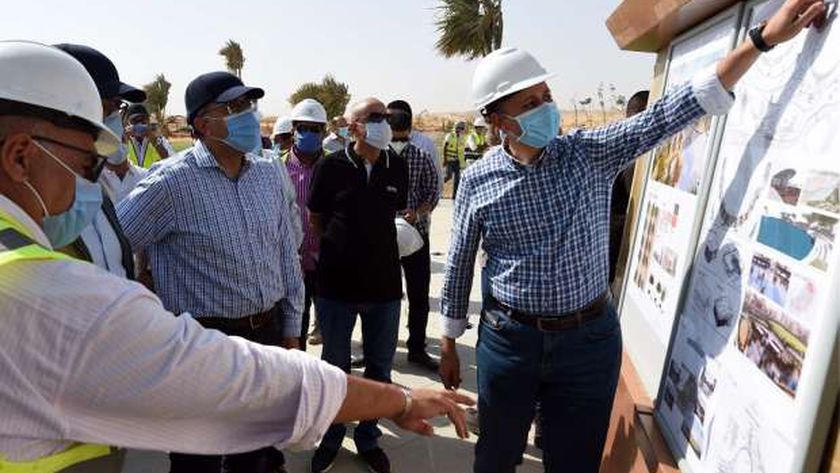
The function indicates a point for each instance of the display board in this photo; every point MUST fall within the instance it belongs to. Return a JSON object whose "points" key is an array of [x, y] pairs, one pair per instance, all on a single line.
{"points": [[749, 359], [671, 206]]}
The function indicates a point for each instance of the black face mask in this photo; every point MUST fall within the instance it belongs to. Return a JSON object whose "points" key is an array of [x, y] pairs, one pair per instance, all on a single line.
{"points": [[399, 121]]}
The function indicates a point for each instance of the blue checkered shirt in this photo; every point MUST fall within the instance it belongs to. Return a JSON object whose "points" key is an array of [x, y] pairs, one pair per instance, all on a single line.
{"points": [[545, 226], [422, 183], [219, 247]]}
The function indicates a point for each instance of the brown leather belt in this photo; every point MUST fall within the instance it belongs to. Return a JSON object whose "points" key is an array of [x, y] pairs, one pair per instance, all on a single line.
{"points": [[559, 323], [249, 322]]}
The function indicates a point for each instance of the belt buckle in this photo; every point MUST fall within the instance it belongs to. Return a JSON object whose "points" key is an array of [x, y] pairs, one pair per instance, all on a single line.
{"points": [[251, 322], [540, 327]]}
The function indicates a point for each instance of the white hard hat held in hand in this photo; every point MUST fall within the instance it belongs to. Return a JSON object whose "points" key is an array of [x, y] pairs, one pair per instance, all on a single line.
{"points": [[309, 110], [47, 77], [504, 72]]}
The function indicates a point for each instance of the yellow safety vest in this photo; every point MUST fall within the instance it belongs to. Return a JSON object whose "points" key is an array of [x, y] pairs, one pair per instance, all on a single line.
{"points": [[454, 148], [20, 247], [150, 155], [479, 139]]}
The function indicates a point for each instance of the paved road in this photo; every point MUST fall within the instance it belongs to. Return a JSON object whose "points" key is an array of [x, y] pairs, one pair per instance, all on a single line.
{"points": [[409, 453]]}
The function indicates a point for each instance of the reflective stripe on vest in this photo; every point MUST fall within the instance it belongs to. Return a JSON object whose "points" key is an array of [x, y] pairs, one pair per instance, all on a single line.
{"points": [[19, 247]]}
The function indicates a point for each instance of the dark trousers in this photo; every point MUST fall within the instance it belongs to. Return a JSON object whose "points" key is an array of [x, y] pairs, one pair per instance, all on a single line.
{"points": [[453, 171], [417, 268], [309, 284], [380, 322], [263, 460], [573, 374]]}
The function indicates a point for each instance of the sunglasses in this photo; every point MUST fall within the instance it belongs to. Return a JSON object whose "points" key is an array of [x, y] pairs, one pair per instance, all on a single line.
{"points": [[234, 107], [97, 159], [377, 117], [309, 128]]}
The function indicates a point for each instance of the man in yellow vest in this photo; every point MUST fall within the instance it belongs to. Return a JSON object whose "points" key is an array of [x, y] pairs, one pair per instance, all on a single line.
{"points": [[477, 139], [454, 157], [146, 145], [87, 358]]}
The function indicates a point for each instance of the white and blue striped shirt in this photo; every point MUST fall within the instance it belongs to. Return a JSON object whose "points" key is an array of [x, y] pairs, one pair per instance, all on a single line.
{"points": [[545, 226], [219, 247]]}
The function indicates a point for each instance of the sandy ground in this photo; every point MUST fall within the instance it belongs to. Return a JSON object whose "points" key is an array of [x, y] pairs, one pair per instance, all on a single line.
{"points": [[408, 452]]}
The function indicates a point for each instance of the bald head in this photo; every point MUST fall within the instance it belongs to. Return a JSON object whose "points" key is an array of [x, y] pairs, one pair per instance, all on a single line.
{"points": [[359, 111]]}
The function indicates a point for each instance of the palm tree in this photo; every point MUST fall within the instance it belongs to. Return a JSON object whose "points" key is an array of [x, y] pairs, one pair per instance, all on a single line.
{"points": [[234, 58], [157, 96], [469, 28]]}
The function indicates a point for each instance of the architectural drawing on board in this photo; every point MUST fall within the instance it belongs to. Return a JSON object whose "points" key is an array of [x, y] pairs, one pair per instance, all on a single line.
{"points": [[757, 286]]}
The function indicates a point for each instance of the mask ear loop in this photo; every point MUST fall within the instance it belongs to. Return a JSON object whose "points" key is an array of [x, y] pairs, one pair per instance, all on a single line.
{"points": [[37, 197]]}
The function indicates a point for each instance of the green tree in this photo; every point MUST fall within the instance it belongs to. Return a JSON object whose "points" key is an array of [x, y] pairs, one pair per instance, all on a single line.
{"points": [[469, 28], [234, 57], [157, 96], [332, 94]]}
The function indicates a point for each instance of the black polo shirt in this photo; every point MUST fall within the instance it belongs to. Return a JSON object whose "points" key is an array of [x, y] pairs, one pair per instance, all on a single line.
{"points": [[359, 260]]}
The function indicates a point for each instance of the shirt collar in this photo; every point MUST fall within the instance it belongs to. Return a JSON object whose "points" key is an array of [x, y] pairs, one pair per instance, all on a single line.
{"points": [[293, 158], [205, 159], [11, 210]]}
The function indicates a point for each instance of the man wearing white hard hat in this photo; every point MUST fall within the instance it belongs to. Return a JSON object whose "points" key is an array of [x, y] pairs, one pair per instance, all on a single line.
{"points": [[281, 137], [477, 139], [539, 206], [309, 119], [88, 359]]}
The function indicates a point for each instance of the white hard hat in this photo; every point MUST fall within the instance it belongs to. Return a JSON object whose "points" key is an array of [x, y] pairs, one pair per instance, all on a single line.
{"points": [[504, 72], [309, 110], [281, 126], [479, 121], [409, 240], [45, 76]]}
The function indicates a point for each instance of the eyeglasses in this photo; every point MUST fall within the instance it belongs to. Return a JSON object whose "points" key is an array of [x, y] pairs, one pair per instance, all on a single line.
{"points": [[377, 117], [234, 107]]}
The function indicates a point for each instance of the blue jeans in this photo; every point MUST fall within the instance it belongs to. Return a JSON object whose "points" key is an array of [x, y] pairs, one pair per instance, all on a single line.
{"points": [[573, 374], [380, 323]]}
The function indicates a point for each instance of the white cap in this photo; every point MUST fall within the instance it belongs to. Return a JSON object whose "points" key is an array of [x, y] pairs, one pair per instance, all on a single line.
{"points": [[309, 110], [281, 126], [47, 77], [479, 121], [504, 72]]}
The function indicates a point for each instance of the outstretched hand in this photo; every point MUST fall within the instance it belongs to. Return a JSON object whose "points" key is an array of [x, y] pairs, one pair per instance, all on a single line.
{"points": [[792, 18], [429, 403]]}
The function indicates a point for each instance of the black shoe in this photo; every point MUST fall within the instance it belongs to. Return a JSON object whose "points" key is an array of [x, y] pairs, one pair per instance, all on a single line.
{"points": [[323, 460], [376, 461], [424, 360], [357, 361]]}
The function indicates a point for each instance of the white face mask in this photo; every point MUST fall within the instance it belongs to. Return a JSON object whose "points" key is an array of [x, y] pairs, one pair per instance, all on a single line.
{"points": [[399, 146], [378, 135]]}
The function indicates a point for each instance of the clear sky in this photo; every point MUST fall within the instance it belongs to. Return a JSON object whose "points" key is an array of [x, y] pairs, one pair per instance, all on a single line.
{"points": [[382, 48]]}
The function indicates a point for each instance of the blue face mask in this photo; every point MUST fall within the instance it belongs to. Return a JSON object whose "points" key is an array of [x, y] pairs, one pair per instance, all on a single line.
{"points": [[114, 123], [308, 142], [140, 129], [64, 228], [243, 131], [539, 126]]}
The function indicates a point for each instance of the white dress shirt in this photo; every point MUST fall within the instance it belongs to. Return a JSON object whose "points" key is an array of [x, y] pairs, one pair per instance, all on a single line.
{"points": [[88, 357], [101, 241], [119, 188]]}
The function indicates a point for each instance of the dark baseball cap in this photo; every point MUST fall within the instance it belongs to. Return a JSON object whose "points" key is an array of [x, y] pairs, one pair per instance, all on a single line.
{"points": [[216, 87], [136, 109], [103, 72]]}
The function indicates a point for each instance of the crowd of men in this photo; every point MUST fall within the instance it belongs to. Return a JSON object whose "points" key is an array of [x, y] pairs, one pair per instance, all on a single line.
{"points": [[241, 245]]}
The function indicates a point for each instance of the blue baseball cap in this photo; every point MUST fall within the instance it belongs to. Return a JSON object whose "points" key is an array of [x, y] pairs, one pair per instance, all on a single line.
{"points": [[216, 87], [103, 72]]}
